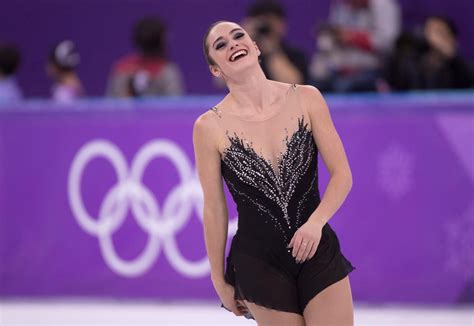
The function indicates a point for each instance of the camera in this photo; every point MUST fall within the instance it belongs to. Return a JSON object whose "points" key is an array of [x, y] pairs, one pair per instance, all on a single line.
{"points": [[263, 29]]}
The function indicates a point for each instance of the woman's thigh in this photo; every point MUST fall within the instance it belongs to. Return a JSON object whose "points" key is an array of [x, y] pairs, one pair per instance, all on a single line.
{"points": [[265, 316], [332, 306]]}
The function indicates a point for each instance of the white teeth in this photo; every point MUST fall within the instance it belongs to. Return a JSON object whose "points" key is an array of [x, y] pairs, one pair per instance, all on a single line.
{"points": [[233, 56]]}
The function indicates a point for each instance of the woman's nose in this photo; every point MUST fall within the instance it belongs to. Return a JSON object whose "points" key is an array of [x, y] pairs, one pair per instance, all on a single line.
{"points": [[233, 45]]}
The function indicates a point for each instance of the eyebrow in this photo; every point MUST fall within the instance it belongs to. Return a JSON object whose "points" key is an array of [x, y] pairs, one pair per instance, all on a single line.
{"points": [[220, 37]]}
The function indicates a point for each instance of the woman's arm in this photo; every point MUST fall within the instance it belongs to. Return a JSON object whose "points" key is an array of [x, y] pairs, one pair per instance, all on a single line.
{"points": [[332, 152], [216, 219]]}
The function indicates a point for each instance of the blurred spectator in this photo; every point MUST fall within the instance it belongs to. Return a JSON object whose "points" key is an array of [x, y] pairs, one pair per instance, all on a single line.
{"points": [[429, 61], [148, 72], [402, 72], [353, 43], [266, 24], [9, 62], [441, 65], [61, 67]]}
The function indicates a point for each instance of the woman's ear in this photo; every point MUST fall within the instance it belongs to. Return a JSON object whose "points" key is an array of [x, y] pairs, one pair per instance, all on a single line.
{"points": [[215, 71], [256, 47]]}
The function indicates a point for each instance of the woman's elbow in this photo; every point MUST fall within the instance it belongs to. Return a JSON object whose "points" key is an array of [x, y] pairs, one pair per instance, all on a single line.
{"points": [[346, 177], [349, 180]]}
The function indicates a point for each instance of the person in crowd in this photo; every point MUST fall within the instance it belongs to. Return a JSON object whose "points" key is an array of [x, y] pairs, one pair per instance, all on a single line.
{"points": [[430, 60], [266, 23], [147, 72], [9, 63], [61, 67], [442, 66], [353, 43], [401, 71]]}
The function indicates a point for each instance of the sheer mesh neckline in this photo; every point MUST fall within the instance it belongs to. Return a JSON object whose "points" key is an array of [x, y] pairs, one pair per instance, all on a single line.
{"points": [[292, 143], [274, 114], [265, 145]]}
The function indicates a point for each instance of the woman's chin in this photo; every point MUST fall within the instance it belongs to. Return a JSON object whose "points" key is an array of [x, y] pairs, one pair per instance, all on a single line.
{"points": [[243, 66]]}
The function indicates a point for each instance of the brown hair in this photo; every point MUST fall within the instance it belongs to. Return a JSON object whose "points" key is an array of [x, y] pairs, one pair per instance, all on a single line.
{"points": [[205, 47]]}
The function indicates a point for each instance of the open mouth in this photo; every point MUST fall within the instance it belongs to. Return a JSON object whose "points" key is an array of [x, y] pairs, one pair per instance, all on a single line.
{"points": [[237, 55]]}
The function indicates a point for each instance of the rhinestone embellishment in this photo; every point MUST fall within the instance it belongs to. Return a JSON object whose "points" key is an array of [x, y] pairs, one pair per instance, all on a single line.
{"points": [[277, 183]]}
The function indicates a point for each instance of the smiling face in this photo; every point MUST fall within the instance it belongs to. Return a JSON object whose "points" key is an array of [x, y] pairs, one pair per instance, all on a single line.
{"points": [[230, 49]]}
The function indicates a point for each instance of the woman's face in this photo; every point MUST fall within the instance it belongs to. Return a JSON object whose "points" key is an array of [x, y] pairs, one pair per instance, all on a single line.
{"points": [[231, 48]]}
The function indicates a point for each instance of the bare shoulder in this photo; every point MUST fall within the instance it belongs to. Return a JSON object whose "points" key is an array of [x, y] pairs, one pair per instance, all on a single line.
{"points": [[308, 89], [205, 124], [309, 92], [312, 100], [205, 120]]}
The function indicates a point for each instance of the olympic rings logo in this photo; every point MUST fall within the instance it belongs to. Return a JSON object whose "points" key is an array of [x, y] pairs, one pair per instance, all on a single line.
{"points": [[161, 224]]}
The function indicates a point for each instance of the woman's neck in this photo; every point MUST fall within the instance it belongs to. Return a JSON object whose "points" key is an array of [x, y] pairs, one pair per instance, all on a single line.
{"points": [[254, 91]]}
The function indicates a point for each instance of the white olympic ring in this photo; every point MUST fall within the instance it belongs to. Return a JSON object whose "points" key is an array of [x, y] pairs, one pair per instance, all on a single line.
{"points": [[129, 192]]}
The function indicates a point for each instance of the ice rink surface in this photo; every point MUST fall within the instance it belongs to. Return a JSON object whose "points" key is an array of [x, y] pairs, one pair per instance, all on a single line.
{"points": [[111, 313]]}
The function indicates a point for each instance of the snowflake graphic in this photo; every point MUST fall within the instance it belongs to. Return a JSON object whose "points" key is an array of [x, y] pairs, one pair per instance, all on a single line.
{"points": [[395, 166], [460, 243]]}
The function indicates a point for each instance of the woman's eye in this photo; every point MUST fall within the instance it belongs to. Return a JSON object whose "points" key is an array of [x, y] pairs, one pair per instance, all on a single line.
{"points": [[239, 35], [220, 45]]}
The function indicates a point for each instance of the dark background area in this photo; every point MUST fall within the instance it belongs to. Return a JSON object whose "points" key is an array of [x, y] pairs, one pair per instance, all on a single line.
{"points": [[101, 30]]}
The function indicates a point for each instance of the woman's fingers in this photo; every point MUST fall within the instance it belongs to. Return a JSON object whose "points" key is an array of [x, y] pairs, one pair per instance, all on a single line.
{"points": [[313, 250], [241, 306], [307, 253], [292, 242], [303, 249], [234, 307], [305, 244], [236, 310], [296, 247]]}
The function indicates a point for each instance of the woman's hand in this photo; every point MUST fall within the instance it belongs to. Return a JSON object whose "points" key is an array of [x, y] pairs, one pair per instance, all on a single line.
{"points": [[305, 241], [226, 294]]}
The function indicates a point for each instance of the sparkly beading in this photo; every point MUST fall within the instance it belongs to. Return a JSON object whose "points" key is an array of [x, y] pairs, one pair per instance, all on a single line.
{"points": [[277, 185]]}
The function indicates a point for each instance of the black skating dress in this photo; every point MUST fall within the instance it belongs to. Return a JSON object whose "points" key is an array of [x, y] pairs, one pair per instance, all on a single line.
{"points": [[271, 169]]}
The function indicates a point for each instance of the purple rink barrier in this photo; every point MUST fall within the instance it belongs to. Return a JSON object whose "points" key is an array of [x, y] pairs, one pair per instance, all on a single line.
{"points": [[101, 199]]}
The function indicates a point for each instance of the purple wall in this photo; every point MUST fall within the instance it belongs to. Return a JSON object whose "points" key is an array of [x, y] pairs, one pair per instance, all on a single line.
{"points": [[407, 225], [101, 30]]}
